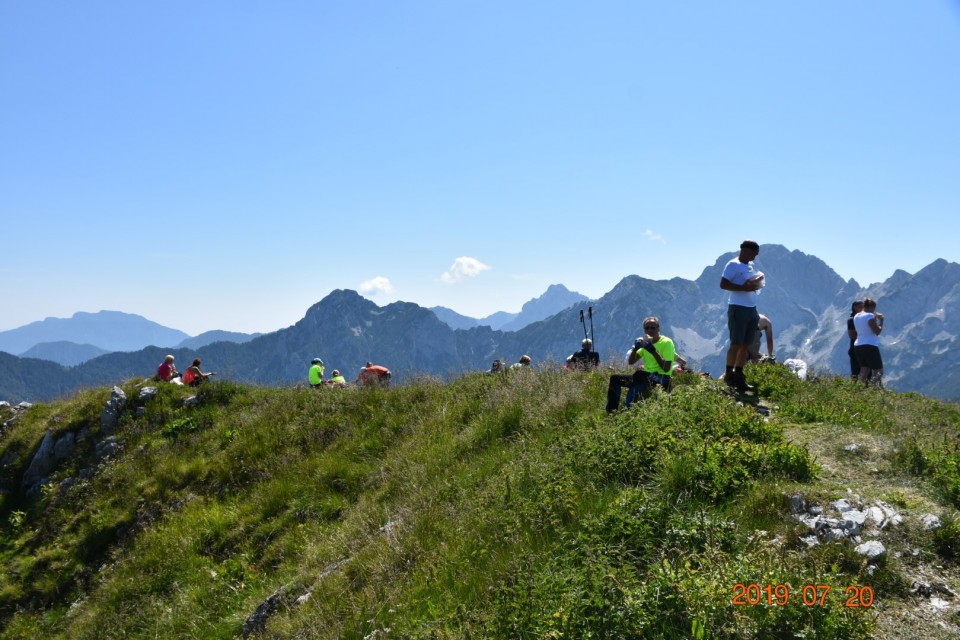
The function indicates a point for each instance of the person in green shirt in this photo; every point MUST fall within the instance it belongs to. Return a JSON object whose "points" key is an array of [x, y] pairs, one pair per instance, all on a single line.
{"points": [[315, 375], [658, 353]]}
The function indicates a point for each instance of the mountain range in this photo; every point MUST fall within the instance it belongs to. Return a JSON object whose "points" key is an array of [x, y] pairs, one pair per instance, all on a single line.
{"points": [[806, 300], [84, 336], [555, 299]]}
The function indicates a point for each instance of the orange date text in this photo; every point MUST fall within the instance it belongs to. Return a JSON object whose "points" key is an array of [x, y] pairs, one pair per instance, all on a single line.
{"points": [[811, 595]]}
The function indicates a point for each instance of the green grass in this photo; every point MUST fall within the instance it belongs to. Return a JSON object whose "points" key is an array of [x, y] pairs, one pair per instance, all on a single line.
{"points": [[492, 506]]}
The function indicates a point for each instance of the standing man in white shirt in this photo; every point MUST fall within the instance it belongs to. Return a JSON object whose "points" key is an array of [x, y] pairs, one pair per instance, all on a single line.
{"points": [[742, 280]]}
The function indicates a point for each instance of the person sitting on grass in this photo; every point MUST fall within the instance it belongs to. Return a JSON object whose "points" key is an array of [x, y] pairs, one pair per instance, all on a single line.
{"points": [[193, 376], [374, 375], [524, 361], [167, 371], [315, 373], [657, 353], [336, 380]]}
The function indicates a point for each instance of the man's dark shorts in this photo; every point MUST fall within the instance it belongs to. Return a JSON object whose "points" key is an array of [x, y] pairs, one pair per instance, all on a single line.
{"points": [[743, 322], [868, 355]]}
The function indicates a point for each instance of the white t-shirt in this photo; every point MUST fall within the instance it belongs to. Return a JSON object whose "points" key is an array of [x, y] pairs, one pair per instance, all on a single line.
{"points": [[865, 334], [738, 273]]}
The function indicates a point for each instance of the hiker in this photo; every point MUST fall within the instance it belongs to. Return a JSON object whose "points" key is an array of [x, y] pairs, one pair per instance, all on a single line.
{"points": [[193, 376], [524, 362], [315, 373], [658, 353], [764, 326], [855, 308], [496, 366], [167, 371], [742, 280], [373, 375], [336, 380], [869, 324], [584, 359]]}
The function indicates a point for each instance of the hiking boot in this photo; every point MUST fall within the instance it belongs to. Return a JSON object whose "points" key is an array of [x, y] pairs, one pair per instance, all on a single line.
{"points": [[741, 383], [730, 379]]}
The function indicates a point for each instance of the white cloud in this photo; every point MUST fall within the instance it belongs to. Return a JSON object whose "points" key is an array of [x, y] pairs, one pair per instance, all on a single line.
{"points": [[376, 285], [463, 267], [656, 237]]}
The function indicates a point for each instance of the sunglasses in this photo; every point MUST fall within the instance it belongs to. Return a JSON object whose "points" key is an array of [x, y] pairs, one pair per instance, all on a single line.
{"points": [[651, 326]]}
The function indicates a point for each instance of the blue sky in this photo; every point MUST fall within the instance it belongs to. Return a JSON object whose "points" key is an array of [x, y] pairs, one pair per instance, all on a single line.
{"points": [[224, 165]]}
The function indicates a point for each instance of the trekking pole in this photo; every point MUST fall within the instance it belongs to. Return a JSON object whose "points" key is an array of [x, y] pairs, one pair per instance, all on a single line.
{"points": [[584, 324], [590, 313]]}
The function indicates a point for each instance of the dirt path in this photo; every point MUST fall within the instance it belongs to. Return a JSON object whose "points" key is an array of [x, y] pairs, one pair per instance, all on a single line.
{"points": [[856, 464]]}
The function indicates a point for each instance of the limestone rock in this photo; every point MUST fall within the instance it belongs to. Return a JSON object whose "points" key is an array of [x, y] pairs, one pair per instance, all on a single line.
{"points": [[872, 549], [111, 413], [257, 621], [106, 448], [41, 465]]}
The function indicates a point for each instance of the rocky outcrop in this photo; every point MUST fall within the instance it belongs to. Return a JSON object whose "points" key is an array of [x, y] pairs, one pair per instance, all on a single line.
{"points": [[52, 450], [57, 447], [111, 413]]}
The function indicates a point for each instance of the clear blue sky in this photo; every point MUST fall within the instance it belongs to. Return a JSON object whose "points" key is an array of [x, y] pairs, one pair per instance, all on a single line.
{"points": [[224, 165]]}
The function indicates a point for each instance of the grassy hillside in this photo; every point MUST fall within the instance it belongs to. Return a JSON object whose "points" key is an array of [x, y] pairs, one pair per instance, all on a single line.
{"points": [[490, 507]]}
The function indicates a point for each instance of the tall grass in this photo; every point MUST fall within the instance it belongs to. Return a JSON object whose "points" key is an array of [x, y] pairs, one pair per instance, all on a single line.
{"points": [[493, 506]]}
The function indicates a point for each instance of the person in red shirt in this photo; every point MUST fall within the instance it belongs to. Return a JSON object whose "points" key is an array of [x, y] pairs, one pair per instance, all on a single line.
{"points": [[193, 376], [373, 375], [167, 371]]}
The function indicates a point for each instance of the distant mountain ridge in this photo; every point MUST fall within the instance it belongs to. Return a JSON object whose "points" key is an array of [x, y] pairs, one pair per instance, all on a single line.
{"points": [[64, 352], [108, 330], [83, 336], [209, 337], [806, 300], [554, 300]]}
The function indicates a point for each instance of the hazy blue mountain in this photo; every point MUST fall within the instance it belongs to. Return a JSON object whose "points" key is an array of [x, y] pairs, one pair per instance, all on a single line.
{"points": [[806, 300], [554, 300], [498, 319], [109, 330], [453, 319], [63, 352], [209, 337], [456, 320]]}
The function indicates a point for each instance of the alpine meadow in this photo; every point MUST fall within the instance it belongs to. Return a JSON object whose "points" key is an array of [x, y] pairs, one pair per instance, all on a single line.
{"points": [[487, 506]]}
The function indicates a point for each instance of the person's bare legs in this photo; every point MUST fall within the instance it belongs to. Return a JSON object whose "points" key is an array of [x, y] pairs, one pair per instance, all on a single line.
{"points": [[740, 358], [732, 353]]}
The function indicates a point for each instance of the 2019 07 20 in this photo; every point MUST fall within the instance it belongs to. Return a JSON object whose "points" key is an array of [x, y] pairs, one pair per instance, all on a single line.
{"points": [[810, 595]]}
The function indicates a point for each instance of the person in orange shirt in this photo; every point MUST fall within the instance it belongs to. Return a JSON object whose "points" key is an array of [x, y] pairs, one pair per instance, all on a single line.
{"points": [[373, 375]]}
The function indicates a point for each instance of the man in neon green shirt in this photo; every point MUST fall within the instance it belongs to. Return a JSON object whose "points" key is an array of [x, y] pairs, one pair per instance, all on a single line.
{"points": [[315, 375], [658, 353]]}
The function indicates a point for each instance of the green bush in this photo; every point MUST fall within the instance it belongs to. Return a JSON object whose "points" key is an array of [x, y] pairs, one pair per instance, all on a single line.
{"points": [[946, 537]]}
